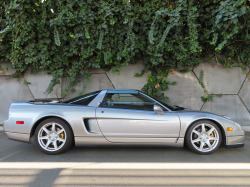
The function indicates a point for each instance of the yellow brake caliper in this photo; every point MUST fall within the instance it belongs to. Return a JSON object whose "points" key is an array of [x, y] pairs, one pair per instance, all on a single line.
{"points": [[212, 134], [62, 135]]}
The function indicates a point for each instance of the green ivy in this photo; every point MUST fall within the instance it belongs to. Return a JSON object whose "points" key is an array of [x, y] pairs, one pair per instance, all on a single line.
{"points": [[67, 38], [156, 84], [209, 97]]}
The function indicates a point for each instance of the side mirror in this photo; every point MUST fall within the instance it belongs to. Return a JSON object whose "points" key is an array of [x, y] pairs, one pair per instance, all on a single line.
{"points": [[103, 104], [158, 109]]}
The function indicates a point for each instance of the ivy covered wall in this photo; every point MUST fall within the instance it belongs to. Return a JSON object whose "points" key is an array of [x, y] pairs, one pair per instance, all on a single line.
{"points": [[66, 38]]}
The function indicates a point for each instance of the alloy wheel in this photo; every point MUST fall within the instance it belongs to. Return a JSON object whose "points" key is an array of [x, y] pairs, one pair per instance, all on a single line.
{"points": [[52, 137], [204, 137]]}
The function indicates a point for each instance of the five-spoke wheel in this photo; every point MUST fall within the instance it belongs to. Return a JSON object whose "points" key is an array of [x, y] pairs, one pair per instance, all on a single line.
{"points": [[203, 137], [53, 136]]}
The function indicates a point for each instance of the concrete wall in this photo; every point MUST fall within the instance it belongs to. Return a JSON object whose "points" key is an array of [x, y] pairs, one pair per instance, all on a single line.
{"points": [[232, 83]]}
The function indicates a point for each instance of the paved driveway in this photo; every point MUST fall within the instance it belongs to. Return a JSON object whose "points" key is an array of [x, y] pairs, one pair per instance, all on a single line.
{"points": [[22, 164]]}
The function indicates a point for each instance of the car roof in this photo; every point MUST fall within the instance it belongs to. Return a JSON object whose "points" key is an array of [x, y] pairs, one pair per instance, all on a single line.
{"points": [[131, 91], [122, 90]]}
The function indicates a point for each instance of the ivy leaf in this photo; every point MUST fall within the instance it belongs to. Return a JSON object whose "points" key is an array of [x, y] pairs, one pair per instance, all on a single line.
{"points": [[104, 26], [235, 20], [136, 28], [242, 11]]}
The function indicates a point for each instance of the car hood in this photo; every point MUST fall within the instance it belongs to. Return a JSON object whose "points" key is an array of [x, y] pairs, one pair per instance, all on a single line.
{"points": [[204, 112]]}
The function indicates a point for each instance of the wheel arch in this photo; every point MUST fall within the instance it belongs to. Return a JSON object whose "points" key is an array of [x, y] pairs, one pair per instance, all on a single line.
{"points": [[223, 142], [35, 125]]}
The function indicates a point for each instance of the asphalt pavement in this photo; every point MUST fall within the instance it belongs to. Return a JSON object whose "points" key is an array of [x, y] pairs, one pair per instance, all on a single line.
{"points": [[22, 164]]}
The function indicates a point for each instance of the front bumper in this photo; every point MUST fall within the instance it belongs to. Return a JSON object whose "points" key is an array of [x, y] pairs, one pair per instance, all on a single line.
{"points": [[235, 141], [235, 146]]}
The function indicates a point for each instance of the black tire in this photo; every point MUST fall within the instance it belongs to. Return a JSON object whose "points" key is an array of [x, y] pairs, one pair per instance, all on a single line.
{"points": [[190, 135], [68, 136]]}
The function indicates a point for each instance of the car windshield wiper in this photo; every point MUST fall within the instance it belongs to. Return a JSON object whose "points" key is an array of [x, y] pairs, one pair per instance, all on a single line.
{"points": [[178, 108]]}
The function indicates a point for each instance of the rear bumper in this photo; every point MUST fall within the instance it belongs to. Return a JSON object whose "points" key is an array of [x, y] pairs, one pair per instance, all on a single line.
{"points": [[7, 125], [18, 136]]}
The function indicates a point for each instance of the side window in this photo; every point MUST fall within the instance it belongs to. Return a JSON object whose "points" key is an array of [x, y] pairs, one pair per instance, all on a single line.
{"points": [[127, 101], [83, 99]]}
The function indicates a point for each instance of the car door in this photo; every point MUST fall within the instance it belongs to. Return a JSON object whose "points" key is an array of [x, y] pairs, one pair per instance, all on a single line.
{"points": [[128, 117]]}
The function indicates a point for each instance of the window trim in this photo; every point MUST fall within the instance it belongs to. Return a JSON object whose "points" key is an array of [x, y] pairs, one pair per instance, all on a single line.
{"points": [[83, 98], [132, 92], [86, 97], [126, 109]]}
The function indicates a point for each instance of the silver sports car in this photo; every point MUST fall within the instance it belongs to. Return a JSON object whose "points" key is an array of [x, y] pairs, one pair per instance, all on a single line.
{"points": [[119, 117]]}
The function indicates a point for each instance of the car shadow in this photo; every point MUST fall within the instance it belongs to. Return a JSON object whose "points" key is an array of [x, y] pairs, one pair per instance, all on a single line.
{"points": [[22, 164]]}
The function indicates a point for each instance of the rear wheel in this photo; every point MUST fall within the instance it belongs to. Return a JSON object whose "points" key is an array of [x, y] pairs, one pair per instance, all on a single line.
{"points": [[53, 136], [203, 137]]}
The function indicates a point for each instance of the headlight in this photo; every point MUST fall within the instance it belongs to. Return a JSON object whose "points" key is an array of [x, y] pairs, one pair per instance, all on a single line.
{"points": [[239, 126], [238, 131]]}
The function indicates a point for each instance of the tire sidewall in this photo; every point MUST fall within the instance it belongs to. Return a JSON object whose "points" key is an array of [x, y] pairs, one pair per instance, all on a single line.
{"points": [[189, 133], [68, 132]]}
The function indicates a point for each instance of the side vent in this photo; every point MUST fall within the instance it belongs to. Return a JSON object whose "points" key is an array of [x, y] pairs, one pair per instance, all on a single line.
{"points": [[86, 123]]}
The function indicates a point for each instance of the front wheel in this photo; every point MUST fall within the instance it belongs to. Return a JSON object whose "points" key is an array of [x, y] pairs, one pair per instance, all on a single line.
{"points": [[203, 137], [53, 136]]}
